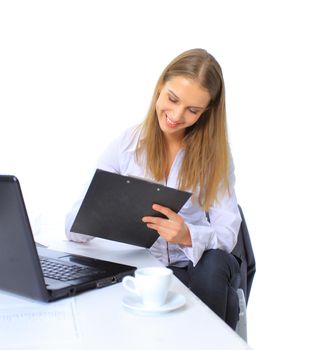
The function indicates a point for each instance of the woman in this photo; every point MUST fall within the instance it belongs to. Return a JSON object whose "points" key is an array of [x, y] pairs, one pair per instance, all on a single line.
{"points": [[183, 143]]}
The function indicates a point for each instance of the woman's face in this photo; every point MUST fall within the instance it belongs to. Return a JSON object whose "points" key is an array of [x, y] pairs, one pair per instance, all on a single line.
{"points": [[180, 104]]}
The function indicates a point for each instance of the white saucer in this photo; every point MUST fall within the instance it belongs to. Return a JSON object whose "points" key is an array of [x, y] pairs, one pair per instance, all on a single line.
{"points": [[173, 302]]}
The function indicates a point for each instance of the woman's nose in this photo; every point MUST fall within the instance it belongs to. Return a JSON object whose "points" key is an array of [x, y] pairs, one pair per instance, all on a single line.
{"points": [[177, 114]]}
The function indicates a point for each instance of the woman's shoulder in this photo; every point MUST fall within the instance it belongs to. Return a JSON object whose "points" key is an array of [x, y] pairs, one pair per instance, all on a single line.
{"points": [[129, 137], [131, 131], [120, 151]]}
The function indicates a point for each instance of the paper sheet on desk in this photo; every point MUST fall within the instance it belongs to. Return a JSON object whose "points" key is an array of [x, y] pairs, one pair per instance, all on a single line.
{"points": [[33, 324]]}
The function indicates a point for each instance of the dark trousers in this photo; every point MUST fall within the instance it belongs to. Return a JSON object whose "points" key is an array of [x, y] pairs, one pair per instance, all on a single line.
{"points": [[212, 280]]}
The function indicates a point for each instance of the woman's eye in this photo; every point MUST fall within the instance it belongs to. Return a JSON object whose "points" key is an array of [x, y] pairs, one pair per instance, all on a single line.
{"points": [[171, 99], [193, 111]]}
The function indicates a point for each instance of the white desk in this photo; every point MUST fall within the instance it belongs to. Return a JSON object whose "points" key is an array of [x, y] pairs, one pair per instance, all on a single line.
{"points": [[103, 323]]}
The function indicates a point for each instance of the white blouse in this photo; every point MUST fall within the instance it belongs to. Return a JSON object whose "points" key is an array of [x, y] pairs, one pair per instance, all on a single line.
{"points": [[220, 233]]}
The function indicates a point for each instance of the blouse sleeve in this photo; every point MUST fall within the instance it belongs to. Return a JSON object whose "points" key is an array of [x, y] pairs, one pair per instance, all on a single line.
{"points": [[221, 231], [109, 161]]}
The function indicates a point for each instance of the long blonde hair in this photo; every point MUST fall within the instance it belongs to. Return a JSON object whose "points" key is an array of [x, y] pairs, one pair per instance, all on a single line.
{"points": [[206, 155]]}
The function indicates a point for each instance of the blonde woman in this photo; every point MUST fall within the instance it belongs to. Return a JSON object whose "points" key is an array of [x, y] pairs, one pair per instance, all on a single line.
{"points": [[183, 143]]}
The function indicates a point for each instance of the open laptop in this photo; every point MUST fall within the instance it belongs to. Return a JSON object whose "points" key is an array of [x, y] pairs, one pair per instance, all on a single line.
{"points": [[38, 272]]}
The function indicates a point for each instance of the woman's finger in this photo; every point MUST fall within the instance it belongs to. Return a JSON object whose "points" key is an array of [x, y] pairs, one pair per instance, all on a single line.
{"points": [[171, 215]]}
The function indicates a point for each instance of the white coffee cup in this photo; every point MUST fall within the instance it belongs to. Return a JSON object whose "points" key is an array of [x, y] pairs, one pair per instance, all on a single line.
{"points": [[151, 284]]}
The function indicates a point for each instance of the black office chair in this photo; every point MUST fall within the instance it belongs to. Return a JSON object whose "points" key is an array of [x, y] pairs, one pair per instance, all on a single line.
{"points": [[242, 282], [243, 251]]}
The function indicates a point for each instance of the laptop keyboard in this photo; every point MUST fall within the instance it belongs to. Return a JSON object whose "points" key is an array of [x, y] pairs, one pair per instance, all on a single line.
{"points": [[61, 272]]}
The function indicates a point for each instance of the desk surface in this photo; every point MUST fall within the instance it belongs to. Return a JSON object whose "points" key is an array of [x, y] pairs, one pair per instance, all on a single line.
{"points": [[98, 319]]}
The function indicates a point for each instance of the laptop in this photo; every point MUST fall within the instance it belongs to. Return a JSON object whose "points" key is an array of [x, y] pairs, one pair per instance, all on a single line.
{"points": [[115, 204], [38, 272]]}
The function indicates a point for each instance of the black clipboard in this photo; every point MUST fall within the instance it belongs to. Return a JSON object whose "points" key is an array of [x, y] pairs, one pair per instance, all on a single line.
{"points": [[114, 206]]}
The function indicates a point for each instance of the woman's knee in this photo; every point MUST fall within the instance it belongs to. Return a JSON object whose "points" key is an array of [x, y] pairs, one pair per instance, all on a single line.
{"points": [[215, 263], [211, 281]]}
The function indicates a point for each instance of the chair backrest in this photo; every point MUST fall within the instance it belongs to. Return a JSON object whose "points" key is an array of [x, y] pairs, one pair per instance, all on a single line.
{"points": [[244, 251]]}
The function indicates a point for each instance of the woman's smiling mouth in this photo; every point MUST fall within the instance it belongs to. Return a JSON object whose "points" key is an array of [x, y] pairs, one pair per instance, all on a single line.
{"points": [[170, 123]]}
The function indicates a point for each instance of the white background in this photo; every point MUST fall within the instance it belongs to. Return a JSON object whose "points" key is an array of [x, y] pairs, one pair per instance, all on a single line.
{"points": [[73, 75]]}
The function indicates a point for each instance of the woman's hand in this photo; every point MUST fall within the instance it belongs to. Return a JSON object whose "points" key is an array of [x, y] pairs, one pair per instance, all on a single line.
{"points": [[173, 229]]}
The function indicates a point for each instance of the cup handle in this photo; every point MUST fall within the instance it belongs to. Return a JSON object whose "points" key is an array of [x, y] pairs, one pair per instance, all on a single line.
{"points": [[129, 283]]}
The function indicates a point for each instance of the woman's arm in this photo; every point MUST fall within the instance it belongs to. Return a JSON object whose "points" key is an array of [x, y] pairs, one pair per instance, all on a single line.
{"points": [[109, 160], [191, 230], [221, 231]]}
